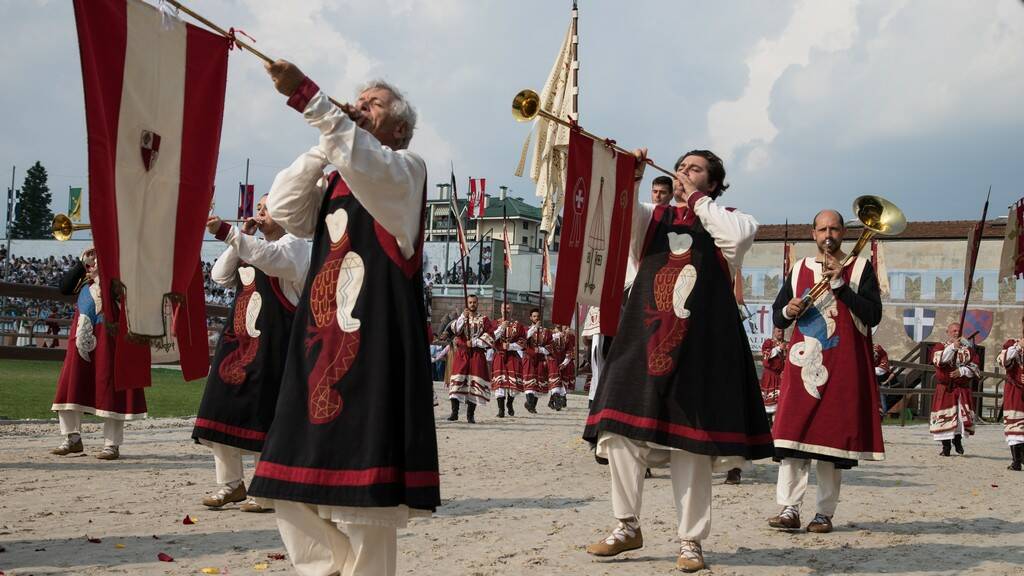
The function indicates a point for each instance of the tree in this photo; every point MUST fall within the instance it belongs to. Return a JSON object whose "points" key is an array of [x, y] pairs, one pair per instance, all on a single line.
{"points": [[32, 218]]}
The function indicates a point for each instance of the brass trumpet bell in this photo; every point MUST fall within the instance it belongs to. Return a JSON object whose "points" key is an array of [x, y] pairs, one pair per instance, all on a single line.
{"points": [[879, 215], [62, 227], [525, 105]]}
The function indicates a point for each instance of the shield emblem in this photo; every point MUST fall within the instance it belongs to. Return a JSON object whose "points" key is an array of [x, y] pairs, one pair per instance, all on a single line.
{"points": [[150, 147], [979, 322], [918, 323]]}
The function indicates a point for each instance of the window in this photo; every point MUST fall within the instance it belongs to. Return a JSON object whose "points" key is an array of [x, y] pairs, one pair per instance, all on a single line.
{"points": [[526, 225], [526, 240]]}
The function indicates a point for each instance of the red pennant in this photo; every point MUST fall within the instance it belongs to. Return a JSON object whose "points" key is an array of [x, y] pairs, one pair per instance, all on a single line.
{"points": [[164, 557], [188, 521]]}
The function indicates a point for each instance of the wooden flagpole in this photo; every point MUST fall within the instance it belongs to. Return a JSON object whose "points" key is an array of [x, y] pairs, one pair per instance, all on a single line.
{"points": [[230, 34], [977, 232]]}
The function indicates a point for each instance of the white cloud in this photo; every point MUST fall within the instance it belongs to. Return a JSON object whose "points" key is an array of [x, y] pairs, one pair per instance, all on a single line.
{"points": [[813, 26]]}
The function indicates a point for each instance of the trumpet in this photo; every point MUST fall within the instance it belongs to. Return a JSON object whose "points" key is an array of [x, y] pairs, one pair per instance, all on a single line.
{"points": [[526, 106], [63, 228], [879, 216]]}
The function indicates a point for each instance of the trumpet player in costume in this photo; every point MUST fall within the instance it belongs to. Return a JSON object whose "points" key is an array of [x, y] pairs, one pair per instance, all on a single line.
{"points": [[828, 401], [86, 384], [679, 381], [352, 452], [238, 402]]}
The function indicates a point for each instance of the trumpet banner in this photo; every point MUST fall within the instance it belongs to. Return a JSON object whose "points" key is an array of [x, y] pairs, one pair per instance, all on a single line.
{"points": [[596, 226]]}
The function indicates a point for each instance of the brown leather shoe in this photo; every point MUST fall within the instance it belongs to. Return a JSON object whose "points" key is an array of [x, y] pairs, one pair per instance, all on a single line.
{"points": [[626, 536], [109, 453], [788, 519], [225, 496], [250, 505], [69, 447], [691, 556], [820, 525]]}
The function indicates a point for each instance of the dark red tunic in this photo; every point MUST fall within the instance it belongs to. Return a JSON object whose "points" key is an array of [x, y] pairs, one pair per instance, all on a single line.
{"points": [[507, 365], [952, 405], [1013, 394], [771, 378], [535, 364], [86, 382], [828, 402], [470, 380]]}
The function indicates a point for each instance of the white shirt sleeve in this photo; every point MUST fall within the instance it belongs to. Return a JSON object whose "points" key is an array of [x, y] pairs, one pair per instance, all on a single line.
{"points": [[224, 269], [643, 212], [388, 183], [297, 192], [732, 230], [286, 258]]}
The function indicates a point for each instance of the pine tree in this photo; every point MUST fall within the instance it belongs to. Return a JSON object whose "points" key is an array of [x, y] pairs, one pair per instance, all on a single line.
{"points": [[33, 216]]}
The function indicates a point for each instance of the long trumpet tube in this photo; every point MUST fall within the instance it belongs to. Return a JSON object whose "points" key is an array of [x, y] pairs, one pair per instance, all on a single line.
{"points": [[526, 106]]}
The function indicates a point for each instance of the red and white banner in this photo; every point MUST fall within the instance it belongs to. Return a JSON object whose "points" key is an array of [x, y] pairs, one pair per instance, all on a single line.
{"points": [[154, 100], [477, 197], [596, 226]]}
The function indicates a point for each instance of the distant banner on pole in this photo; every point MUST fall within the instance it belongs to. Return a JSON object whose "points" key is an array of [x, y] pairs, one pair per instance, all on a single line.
{"points": [[75, 204], [596, 225], [246, 200]]}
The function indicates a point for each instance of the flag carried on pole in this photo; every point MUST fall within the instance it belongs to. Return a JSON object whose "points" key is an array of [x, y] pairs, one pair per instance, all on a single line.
{"points": [[787, 253], [507, 247], [454, 203], [477, 197], [971, 260], [545, 276], [548, 163], [596, 227], [246, 200], [75, 204], [1011, 259], [154, 101]]}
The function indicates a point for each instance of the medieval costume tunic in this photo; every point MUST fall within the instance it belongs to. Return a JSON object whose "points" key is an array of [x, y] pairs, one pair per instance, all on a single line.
{"points": [[509, 340], [956, 370], [773, 359], [241, 389], [86, 383], [353, 442], [828, 402], [679, 380], [470, 381], [535, 363], [1012, 359], [567, 367]]}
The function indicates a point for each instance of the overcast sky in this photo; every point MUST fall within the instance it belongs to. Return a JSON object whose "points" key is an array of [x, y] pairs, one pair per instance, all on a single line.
{"points": [[811, 103]]}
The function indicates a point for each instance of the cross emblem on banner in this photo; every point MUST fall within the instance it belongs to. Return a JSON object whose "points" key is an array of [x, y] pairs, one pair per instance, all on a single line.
{"points": [[761, 313]]}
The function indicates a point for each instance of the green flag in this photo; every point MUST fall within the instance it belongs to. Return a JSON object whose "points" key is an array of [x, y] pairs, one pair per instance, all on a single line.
{"points": [[75, 204]]}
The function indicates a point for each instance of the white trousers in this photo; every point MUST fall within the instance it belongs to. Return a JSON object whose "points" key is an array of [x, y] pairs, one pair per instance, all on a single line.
{"points": [[792, 484], [557, 390], [505, 392], [318, 547], [71, 423], [227, 462], [691, 485]]}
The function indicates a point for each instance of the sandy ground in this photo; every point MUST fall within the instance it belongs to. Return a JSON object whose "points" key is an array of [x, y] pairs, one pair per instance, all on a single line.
{"points": [[520, 495]]}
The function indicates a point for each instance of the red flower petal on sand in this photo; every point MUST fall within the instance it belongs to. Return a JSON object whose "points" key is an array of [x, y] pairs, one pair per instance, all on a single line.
{"points": [[188, 520], [93, 540], [275, 556], [164, 557]]}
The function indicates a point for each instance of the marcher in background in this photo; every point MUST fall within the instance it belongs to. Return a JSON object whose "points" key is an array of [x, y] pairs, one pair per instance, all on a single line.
{"points": [[956, 374]]}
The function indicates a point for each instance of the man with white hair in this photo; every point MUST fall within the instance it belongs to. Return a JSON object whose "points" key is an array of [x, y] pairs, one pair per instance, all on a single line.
{"points": [[268, 275], [352, 452]]}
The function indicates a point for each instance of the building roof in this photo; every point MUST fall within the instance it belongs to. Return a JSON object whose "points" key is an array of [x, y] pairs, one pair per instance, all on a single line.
{"points": [[517, 208], [922, 230]]}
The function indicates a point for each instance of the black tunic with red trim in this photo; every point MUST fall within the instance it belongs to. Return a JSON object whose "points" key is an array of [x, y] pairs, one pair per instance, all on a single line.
{"points": [[679, 373], [241, 389], [355, 423]]}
